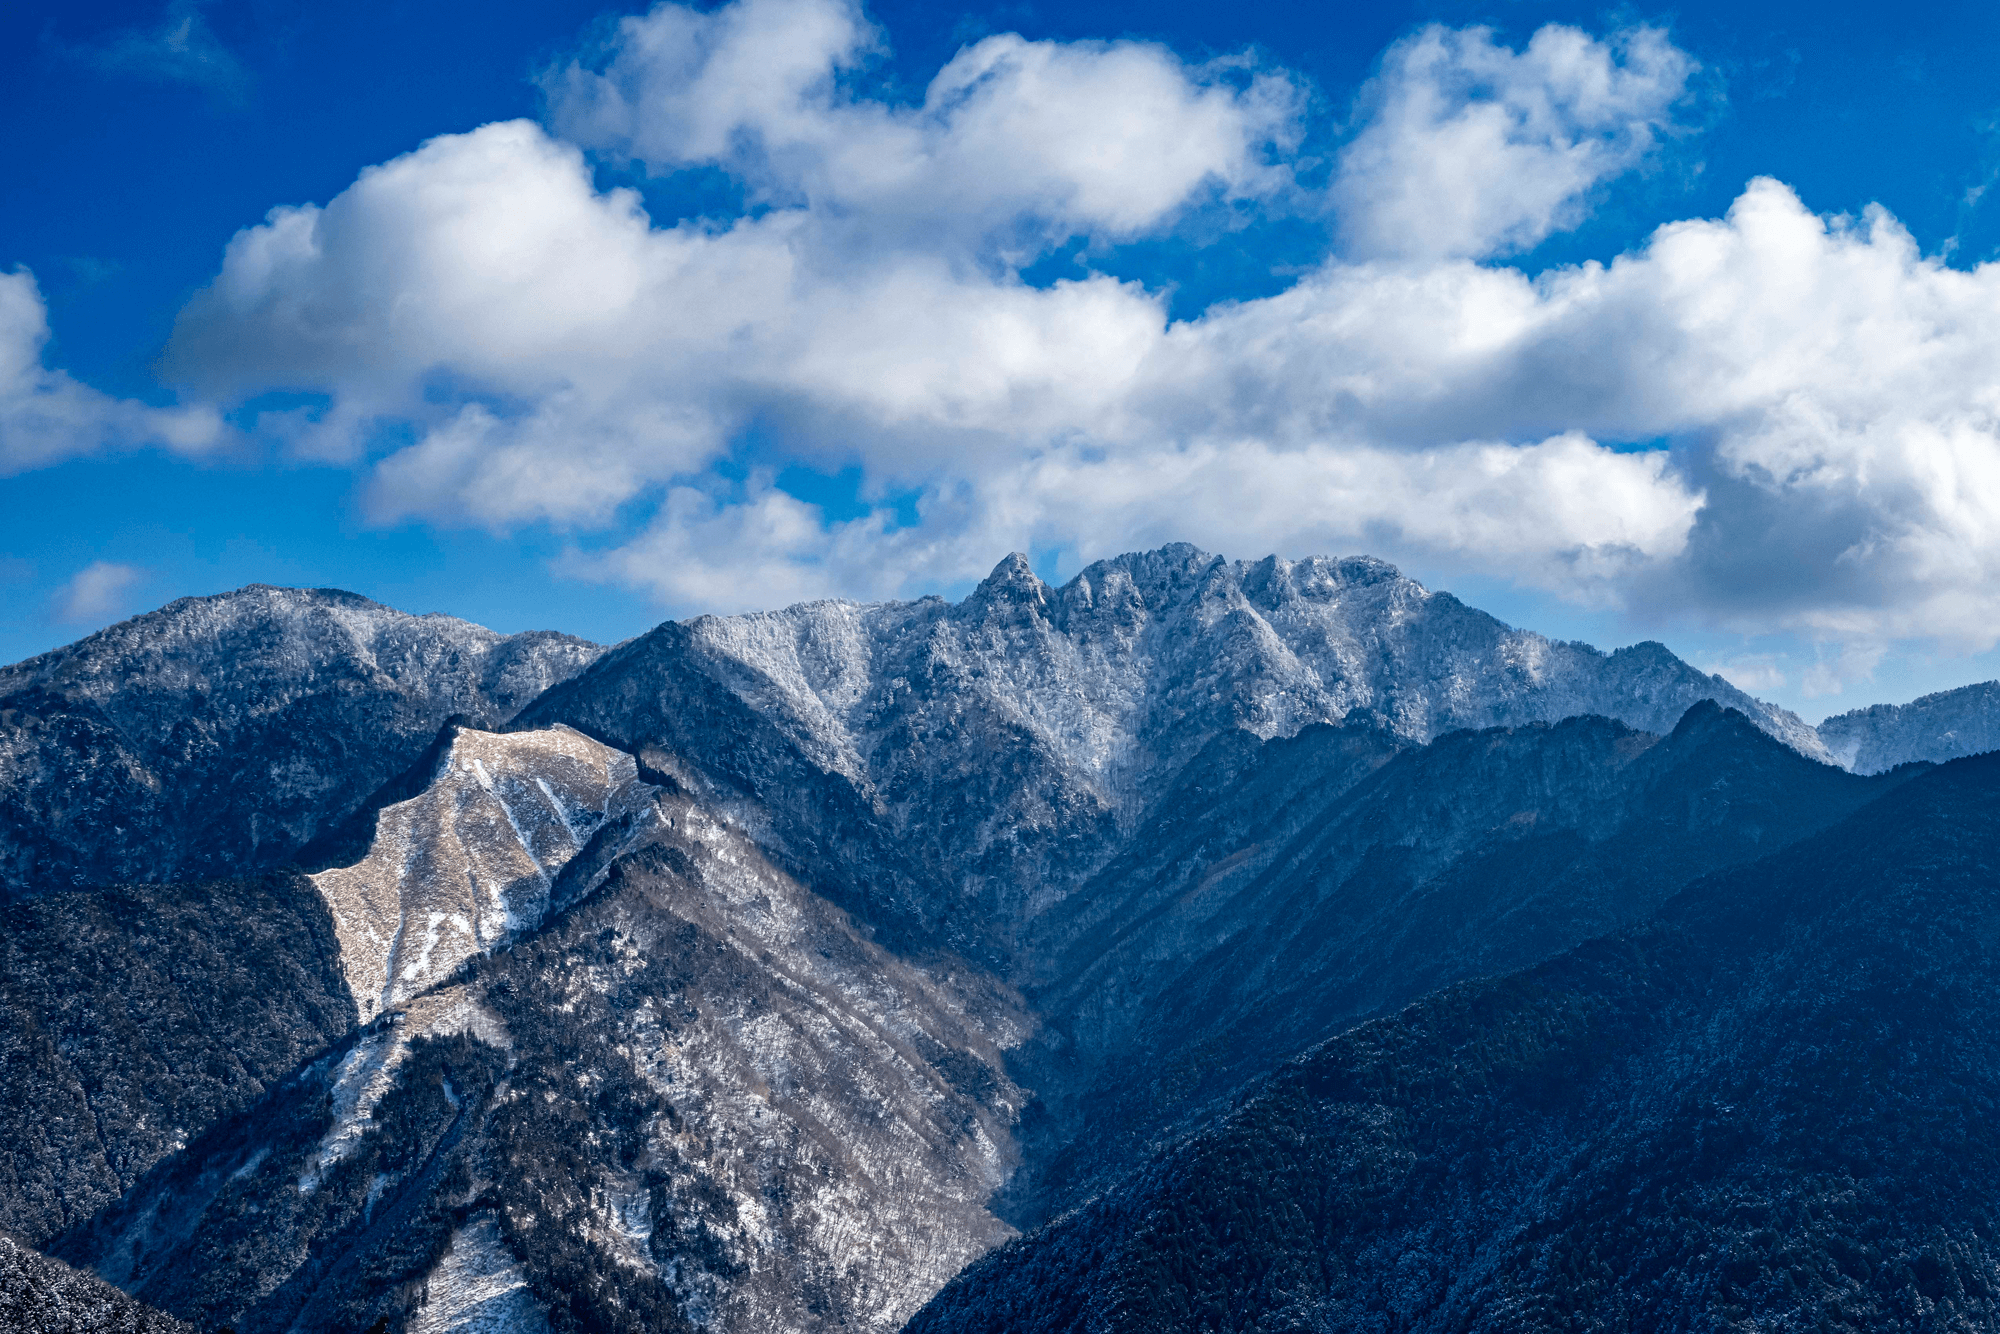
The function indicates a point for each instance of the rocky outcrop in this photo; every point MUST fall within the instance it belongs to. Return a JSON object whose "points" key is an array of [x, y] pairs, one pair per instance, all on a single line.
{"points": [[479, 857], [218, 735]]}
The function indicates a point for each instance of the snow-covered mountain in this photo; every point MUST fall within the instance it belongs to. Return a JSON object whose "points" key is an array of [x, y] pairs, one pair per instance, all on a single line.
{"points": [[219, 735], [1936, 728], [758, 973], [1128, 669], [952, 770]]}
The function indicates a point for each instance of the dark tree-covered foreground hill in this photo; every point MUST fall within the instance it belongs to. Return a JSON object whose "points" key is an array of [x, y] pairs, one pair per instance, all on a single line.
{"points": [[1776, 1106]]}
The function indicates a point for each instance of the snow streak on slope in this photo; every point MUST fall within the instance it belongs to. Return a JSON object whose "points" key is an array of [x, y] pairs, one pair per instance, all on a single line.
{"points": [[478, 1288], [474, 859], [367, 1072]]}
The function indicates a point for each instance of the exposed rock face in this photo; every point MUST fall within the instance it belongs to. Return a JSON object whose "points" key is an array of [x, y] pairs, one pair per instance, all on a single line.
{"points": [[218, 735], [476, 859], [951, 771], [1757, 1111], [1937, 728], [696, 1079]]}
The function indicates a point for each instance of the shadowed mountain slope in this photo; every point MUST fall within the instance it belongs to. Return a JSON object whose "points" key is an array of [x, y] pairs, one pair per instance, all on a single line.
{"points": [[1288, 891], [43, 1296], [134, 1016], [1770, 1106], [218, 735]]}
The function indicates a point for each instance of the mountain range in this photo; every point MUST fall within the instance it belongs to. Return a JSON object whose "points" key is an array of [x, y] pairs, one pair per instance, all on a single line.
{"points": [[1195, 945]]}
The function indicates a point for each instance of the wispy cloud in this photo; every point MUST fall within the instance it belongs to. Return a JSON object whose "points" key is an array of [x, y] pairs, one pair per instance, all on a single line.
{"points": [[1760, 674], [180, 48], [97, 593]]}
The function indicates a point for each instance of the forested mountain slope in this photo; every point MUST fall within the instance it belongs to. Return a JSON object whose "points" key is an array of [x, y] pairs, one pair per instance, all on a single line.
{"points": [[1286, 893], [692, 1095], [1770, 1106], [43, 1296], [764, 971], [132, 1017]]}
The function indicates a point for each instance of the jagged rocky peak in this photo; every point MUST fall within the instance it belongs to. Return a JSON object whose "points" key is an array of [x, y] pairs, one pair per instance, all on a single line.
{"points": [[478, 856], [951, 770], [1130, 667], [218, 735], [1938, 727]]}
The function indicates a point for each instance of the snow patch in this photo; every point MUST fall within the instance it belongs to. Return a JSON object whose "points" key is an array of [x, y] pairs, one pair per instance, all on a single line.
{"points": [[478, 1287]]}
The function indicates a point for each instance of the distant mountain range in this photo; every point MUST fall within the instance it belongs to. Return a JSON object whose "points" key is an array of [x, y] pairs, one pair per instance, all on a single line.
{"points": [[1936, 728], [1196, 945]]}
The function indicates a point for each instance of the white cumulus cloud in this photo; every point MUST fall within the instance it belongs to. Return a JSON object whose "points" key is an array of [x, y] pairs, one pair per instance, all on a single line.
{"points": [[1472, 148], [549, 353], [1103, 138]]}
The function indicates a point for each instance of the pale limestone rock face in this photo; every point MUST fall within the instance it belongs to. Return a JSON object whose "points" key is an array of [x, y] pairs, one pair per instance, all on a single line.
{"points": [[473, 860]]}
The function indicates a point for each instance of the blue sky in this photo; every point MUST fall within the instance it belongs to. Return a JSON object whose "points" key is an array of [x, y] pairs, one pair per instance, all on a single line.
{"points": [[720, 311]]}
